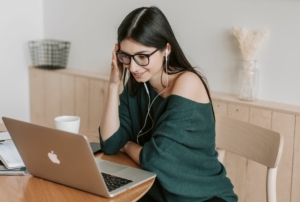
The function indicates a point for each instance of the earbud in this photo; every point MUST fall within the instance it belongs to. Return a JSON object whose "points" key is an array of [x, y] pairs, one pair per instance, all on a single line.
{"points": [[167, 51]]}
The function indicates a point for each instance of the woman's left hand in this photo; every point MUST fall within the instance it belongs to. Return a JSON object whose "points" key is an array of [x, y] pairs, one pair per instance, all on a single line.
{"points": [[133, 150]]}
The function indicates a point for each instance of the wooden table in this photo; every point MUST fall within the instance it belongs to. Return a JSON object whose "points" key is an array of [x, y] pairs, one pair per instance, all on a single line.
{"points": [[29, 188]]}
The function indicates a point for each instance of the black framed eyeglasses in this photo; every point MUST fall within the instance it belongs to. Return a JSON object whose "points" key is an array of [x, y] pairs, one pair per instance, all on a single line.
{"points": [[140, 59]]}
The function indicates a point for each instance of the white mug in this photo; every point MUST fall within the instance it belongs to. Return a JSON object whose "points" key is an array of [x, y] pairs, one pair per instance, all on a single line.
{"points": [[67, 123]]}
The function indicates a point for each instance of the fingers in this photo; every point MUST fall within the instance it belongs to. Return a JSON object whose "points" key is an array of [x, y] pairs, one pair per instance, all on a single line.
{"points": [[116, 70], [116, 47], [114, 63], [114, 52], [113, 56]]}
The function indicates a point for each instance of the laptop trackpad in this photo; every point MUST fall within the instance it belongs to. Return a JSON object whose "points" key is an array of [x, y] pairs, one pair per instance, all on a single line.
{"points": [[109, 167]]}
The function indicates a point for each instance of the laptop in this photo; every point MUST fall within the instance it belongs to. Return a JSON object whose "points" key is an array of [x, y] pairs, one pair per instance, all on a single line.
{"points": [[67, 159]]}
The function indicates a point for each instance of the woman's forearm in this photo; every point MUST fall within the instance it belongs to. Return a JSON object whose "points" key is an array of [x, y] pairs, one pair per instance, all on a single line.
{"points": [[133, 151], [110, 121]]}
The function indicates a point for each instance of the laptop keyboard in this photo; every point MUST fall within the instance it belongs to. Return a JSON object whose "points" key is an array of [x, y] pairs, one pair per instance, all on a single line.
{"points": [[113, 182]]}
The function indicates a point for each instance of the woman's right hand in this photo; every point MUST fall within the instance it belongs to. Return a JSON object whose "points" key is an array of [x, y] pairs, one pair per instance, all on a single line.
{"points": [[116, 70], [110, 121]]}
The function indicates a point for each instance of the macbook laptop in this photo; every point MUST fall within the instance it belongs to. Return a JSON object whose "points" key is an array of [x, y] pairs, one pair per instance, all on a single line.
{"points": [[67, 159]]}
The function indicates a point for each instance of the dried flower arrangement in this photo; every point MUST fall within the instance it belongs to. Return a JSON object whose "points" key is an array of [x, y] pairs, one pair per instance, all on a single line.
{"points": [[249, 43]]}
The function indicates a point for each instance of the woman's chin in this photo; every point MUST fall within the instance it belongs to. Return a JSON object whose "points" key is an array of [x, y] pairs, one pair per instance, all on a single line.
{"points": [[141, 80]]}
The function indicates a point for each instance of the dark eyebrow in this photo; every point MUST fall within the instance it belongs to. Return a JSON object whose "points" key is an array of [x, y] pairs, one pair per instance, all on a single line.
{"points": [[140, 52]]}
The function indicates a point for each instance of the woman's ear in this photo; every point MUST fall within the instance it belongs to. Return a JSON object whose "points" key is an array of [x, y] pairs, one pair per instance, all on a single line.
{"points": [[168, 49]]}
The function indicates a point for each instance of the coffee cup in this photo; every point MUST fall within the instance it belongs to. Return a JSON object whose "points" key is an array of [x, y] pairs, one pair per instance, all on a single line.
{"points": [[67, 123]]}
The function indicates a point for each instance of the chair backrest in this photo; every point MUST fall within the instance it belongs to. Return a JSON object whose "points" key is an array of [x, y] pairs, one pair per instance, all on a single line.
{"points": [[247, 140], [252, 142]]}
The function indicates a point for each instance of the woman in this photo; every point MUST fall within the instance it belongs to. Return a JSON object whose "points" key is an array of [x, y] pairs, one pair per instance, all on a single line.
{"points": [[165, 120]]}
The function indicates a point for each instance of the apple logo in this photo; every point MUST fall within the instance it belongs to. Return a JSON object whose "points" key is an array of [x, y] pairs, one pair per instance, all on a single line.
{"points": [[53, 157]]}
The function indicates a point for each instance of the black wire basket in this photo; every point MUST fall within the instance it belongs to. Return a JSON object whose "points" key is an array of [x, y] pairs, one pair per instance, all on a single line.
{"points": [[49, 54]]}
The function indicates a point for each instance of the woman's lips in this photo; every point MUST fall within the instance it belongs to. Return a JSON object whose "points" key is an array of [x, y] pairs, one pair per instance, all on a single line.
{"points": [[138, 74]]}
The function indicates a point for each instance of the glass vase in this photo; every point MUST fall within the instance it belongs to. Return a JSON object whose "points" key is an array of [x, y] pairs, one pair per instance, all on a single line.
{"points": [[248, 81]]}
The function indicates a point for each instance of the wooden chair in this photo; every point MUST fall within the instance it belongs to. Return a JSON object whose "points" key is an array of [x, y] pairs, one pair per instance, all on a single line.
{"points": [[252, 142]]}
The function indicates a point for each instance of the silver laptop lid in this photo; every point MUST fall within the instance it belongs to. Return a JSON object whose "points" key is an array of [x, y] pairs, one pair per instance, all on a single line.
{"points": [[57, 156]]}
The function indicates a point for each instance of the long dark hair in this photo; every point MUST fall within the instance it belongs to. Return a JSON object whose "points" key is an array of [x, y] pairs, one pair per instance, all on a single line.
{"points": [[150, 27]]}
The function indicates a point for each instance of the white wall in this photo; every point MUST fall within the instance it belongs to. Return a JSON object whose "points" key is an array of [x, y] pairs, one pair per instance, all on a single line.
{"points": [[202, 28], [20, 21]]}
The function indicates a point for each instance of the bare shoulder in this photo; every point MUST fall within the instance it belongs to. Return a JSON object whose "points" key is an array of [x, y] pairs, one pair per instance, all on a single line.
{"points": [[190, 86]]}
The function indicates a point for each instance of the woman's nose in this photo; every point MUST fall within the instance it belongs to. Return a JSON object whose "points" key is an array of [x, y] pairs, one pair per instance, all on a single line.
{"points": [[133, 67]]}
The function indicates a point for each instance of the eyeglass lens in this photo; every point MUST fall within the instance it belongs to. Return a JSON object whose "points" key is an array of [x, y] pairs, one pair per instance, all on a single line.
{"points": [[139, 59]]}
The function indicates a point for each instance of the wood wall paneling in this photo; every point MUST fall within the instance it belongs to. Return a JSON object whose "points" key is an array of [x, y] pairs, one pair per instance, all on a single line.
{"points": [[37, 96], [52, 97], [82, 102], [220, 107], [285, 124], [98, 92], [238, 112], [260, 117], [67, 94], [296, 164]]}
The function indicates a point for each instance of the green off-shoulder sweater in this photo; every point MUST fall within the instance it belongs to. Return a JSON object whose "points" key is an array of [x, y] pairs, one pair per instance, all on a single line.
{"points": [[180, 148]]}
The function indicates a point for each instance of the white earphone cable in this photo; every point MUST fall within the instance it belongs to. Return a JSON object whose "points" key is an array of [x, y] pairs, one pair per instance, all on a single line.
{"points": [[149, 106]]}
